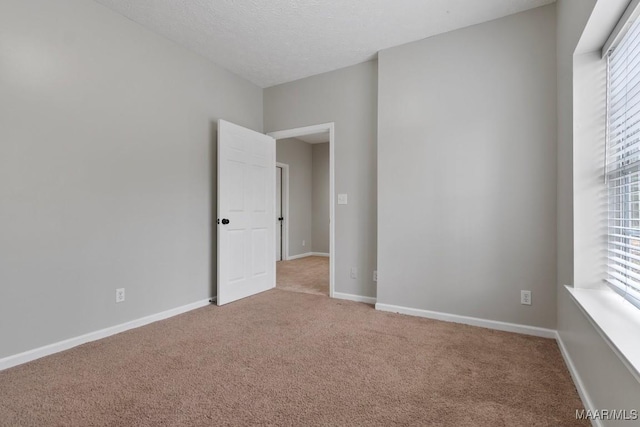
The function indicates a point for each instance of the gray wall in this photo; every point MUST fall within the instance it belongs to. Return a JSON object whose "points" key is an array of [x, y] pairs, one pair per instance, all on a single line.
{"points": [[608, 383], [467, 171], [320, 211], [107, 143], [298, 155], [347, 97]]}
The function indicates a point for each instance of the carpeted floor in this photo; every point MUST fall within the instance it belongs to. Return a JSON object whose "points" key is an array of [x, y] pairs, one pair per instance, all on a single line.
{"points": [[309, 275], [295, 359]]}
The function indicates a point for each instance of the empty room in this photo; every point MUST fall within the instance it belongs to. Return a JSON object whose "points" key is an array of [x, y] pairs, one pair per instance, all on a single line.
{"points": [[302, 212]]}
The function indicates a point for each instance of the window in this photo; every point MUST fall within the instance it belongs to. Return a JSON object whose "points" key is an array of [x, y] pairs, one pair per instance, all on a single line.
{"points": [[622, 168]]}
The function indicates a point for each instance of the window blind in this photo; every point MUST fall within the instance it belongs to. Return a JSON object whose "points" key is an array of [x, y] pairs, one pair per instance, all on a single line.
{"points": [[622, 166]]}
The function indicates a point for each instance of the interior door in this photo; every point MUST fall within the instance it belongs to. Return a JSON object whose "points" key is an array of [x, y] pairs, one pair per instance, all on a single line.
{"points": [[278, 213], [246, 212]]}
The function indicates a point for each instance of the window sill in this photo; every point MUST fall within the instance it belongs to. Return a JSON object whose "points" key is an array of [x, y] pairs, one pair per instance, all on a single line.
{"points": [[616, 319]]}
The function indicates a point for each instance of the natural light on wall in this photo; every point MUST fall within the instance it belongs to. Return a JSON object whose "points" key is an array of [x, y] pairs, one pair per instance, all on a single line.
{"points": [[623, 165]]}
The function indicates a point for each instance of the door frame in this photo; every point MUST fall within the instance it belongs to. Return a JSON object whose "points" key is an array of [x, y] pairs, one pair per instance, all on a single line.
{"points": [[285, 209], [310, 130]]}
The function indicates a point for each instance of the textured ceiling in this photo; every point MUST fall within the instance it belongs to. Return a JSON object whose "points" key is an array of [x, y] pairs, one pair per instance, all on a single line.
{"points": [[276, 41]]}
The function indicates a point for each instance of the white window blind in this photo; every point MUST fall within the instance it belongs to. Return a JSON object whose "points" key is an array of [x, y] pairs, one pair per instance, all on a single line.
{"points": [[623, 166]]}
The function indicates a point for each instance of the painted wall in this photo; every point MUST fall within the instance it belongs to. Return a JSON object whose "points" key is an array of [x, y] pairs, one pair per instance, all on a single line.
{"points": [[320, 211], [298, 155], [467, 171], [604, 378], [347, 97], [107, 177]]}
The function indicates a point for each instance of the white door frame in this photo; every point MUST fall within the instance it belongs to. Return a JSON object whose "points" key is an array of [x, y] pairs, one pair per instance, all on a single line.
{"points": [[310, 130], [285, 210]]}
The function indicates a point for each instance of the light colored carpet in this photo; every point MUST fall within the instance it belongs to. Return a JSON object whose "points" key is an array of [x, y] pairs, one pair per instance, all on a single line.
{"points": [[294, 359], [309, 275]]}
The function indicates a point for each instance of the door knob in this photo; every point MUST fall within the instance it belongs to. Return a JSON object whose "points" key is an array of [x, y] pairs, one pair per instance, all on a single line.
{"points": [[225, 221]]}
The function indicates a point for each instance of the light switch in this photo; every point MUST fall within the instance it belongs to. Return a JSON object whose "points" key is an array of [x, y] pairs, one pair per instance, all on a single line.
{"points": [[342, 199]]}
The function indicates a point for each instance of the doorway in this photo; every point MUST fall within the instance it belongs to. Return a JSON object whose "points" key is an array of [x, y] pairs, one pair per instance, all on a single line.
{"points": [[304, 202]]}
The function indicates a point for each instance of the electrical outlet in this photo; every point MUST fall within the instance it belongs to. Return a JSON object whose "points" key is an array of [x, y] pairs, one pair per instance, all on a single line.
{"points": [[525, 297], [375, 275], [120, 295], [304, 242], [354, 273]]}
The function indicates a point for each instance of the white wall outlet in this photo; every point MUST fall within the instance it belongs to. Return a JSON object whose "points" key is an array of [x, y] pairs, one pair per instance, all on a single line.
{"points": [[375, 275], [354, 273], [304, 242], [525, 297], [342, 199], [120, 295]]}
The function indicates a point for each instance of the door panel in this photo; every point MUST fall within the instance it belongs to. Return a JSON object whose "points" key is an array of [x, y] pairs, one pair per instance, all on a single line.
{"points": [[246, 212]]}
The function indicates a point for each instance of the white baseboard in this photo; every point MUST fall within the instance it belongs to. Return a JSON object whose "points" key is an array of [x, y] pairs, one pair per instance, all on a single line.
{"points": [[47, 350], [304, 255], [27, 356], [582, 391], [357, 298], [324, 254], [473, 321]]}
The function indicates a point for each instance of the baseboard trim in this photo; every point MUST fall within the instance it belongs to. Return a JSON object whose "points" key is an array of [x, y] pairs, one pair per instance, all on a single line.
{"points": [[324, 254], [577, 380], [30, 355], [37, 353], [304, 255], [473, 321], [357, 298]]}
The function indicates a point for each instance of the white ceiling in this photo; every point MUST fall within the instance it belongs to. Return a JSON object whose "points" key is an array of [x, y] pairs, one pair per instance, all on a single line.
{"points": [[316, 138], [276, 41]]}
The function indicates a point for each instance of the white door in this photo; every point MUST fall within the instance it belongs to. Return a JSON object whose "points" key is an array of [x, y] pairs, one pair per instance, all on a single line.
{"points": [[246, 212], [278, 213]]}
